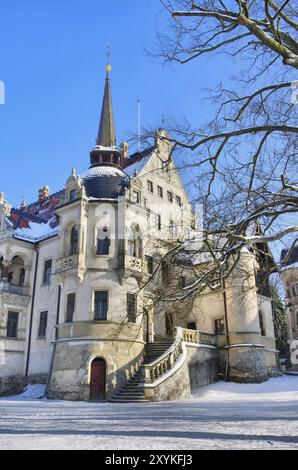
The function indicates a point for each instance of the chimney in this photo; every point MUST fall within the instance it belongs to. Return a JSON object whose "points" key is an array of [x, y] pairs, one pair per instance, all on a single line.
{"points": [[124, 153]]}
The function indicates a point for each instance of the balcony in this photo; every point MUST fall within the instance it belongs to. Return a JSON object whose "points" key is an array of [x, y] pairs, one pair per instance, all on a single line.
{"points": [[133, 263], [9, 288], [67, 263]]}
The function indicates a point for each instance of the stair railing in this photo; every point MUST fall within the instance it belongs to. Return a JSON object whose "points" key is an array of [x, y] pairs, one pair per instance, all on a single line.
{"points": [[167, 361]]}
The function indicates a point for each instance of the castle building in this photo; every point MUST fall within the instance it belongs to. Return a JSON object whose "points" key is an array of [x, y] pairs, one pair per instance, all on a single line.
{"points": [[289, 277], [83, 276]]}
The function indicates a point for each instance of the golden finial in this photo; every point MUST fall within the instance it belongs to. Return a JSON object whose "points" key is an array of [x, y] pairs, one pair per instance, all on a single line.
{"points": [[108, 67]]}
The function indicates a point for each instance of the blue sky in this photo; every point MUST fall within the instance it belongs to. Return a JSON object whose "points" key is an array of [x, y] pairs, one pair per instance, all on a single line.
{"points": [[52, 62]]}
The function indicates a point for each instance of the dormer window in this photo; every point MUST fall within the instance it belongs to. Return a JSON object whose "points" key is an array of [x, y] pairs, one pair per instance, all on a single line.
{"points": [[72, 195], [136, 197]]}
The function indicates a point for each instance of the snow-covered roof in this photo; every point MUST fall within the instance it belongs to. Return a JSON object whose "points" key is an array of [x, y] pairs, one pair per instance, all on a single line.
{"points": [[136, 162], [36, 232]]}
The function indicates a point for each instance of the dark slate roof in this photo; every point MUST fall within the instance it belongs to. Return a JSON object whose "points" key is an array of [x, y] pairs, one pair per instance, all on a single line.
{"points": [[293, 256], [105, 182]]}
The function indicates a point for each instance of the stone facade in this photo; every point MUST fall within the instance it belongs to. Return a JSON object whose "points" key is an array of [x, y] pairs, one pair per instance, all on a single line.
{"points": [[77, 284]]}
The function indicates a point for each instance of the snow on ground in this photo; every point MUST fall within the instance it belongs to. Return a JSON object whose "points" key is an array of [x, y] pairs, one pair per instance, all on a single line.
{"points": [[220, 416]]}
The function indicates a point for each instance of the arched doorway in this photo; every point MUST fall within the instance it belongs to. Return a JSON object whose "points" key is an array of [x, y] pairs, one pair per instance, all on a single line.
{"points": [[98, 379]]}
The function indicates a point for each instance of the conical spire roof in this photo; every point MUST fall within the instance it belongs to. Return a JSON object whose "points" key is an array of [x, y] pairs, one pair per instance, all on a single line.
{"points": [[106, 132]]}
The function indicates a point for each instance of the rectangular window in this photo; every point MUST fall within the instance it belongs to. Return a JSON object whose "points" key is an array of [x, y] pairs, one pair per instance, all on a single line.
{"points": [[131, 308], [178, 200], [12, 324], [47, 272], [70, 307], [191, 325], [219, 326], [136, 197], [101, 300], [170, 196], [149, 263], [43, 320], [160, 191], [150, 186]]}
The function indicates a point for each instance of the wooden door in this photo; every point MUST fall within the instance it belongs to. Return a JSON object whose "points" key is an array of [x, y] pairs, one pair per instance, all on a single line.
{"points": [[98, 380]]}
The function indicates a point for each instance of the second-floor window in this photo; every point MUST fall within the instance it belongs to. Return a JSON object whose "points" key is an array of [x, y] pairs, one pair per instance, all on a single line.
{"points": [[70, 307], [131, 308], [219, 326], [103, 242], [47, 273], [43, 320], [12, 325], [101, 300], [74, 241]]}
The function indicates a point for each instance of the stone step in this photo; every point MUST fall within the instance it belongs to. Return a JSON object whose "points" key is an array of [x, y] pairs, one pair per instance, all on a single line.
{"points": [[124, 400]]}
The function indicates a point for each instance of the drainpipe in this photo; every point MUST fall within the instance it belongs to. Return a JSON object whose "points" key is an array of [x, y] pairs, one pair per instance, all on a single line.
{"points": [[227, 330], [55, 342], [32, 311]]}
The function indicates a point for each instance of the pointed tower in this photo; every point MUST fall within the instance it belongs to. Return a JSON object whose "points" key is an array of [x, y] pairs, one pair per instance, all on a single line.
{"points": [[105, 153], [105, 178]]}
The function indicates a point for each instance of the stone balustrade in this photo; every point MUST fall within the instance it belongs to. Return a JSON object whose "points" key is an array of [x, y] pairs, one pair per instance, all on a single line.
{"points": [[152, 372], [155, 370], [190, 336], [66, 263], [133, 263], [9, 288]]}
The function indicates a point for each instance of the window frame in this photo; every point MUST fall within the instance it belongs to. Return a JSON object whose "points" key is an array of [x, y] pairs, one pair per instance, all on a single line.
{"points": [[42, 332], [159, 191], [221, 330], [107, 302], [14, 324], [150, 186], [46, 280], [67, 320]]}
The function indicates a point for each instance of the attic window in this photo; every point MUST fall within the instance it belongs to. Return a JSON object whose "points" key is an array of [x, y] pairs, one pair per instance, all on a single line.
{"points": [[72, 195]]}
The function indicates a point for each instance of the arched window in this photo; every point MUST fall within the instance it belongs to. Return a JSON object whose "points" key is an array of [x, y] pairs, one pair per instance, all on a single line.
{"points": [[74, 240], [103, 242], [262, 323], [135, 242]]}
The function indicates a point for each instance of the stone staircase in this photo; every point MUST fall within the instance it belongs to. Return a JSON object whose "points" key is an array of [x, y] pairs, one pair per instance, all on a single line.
{"points": [[132, 390]]}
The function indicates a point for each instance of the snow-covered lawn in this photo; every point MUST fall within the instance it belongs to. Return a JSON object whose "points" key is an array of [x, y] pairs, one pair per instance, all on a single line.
{"points": [[220, 416]]}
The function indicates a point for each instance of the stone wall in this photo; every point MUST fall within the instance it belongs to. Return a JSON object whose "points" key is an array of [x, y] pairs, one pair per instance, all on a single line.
{"points": [[12, 385], [199, 368], [70, 378]]}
